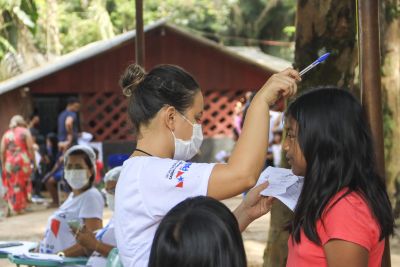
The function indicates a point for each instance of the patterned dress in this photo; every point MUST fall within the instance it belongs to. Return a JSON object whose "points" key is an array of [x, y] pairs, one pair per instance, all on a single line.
{"points": [[18, 168]]}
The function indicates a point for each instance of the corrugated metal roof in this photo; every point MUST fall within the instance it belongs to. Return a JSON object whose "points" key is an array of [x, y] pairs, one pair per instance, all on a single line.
{"points": [[276, 64]]}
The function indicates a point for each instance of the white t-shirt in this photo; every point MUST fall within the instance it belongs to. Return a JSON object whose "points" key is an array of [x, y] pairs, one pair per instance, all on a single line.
{"points": [[106, 236], [58, 234], [147, 189]]}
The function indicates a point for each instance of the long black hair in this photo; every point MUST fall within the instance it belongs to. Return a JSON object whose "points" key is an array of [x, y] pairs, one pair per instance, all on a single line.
{"points": [[148, 93], [335, 139], [198, 232]]}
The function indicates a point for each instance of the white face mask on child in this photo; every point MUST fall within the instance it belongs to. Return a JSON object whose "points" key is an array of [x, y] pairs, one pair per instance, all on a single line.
{"points": [[77, 179], [187, 149]]}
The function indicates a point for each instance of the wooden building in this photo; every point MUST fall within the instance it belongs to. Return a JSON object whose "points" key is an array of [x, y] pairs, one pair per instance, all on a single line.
{"points": [[92, 73]]}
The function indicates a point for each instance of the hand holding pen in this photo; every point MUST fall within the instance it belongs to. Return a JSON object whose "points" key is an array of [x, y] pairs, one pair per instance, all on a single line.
{"points": [[314, 64]]}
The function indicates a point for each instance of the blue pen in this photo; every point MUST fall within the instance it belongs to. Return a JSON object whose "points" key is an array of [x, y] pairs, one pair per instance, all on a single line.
{"points": [[314, 64]]}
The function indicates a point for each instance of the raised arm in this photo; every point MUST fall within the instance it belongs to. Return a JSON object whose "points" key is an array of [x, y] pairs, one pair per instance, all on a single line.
{"points": [[69, 127], [248, 157]]}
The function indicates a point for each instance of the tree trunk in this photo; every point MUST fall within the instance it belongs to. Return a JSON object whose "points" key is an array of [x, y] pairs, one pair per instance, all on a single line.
{"points": [[390, 40], [321, 26], [54, 45], [326, 26], [275, 253]]}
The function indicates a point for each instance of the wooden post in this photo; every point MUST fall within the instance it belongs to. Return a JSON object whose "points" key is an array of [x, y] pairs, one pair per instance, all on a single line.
{"points": [[139, 40], [368, 32]]}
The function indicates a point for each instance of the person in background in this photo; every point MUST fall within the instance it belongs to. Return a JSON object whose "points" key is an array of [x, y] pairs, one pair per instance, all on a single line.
{"points": [[99, 167], [100, 244], [55, 175], [33, 126], [237, 120], [52, 151], [84, 205], [17, 159], [68, 123], [343, 214], [38, 173], [276, 147]]}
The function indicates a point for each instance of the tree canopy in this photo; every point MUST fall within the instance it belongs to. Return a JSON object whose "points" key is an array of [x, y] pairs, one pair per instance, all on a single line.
{"points": [[35, 31]]}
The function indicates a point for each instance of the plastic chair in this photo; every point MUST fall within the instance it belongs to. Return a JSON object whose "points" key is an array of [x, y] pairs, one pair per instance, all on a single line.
{"points": [[113, 259]]}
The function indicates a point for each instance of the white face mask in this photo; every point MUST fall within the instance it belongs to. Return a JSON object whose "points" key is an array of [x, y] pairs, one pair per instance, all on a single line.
{"points": [[77, 179], [187, 149], [110, 201]]}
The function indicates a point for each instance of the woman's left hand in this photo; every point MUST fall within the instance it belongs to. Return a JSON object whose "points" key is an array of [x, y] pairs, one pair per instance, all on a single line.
{"points": [[256, 205], [253, 206]]}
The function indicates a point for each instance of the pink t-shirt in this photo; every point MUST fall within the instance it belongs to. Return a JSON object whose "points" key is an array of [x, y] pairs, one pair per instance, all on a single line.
{"points": [[350, 219]]}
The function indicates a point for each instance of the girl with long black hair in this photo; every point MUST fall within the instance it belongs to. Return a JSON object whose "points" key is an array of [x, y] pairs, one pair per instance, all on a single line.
{"points": [[343, 214]]}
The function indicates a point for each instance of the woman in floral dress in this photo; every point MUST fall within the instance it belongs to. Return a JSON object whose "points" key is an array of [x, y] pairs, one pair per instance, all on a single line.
{"points": [[17, 160]]}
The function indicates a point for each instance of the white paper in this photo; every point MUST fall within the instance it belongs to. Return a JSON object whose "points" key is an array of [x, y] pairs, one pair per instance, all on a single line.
{"points": [[292, 194], [41, 256], [283, 185], [26, 247]]}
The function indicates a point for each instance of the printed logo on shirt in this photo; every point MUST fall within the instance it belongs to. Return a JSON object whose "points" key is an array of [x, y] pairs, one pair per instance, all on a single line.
{"points": [[55, 227], [173, 168], [180, 174]]}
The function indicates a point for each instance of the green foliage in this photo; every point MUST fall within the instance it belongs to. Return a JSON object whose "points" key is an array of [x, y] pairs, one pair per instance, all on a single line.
{"points": [[80, 32], [392, 11], [289, 31], [14, 15], [5, 46], [203, 15], [122, 14], [210, 15], [264, 20], [388, 126], [79, 22]]}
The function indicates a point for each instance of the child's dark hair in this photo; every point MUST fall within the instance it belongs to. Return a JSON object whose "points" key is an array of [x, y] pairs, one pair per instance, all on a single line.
{"points": [[335, 139], [165, 85], [198, 232]]}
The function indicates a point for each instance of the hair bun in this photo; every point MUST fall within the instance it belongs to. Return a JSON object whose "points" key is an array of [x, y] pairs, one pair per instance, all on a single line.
{"points": [[131, 78]]}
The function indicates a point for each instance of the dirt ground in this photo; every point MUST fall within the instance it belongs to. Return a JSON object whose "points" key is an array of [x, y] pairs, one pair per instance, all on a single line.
{"points": [[31, 226]]}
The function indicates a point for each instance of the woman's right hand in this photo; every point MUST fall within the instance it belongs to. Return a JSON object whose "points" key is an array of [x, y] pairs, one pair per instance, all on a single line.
{"points": [[281, 84], [85, 238]]}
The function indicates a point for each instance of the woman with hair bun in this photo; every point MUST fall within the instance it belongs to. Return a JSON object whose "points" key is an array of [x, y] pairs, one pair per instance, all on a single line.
{"points": [[165, 108]]}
